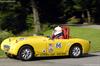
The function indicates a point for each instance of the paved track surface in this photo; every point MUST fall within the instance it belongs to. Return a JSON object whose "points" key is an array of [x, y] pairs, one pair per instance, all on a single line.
{"points": [[93, 59], [90, 26]]}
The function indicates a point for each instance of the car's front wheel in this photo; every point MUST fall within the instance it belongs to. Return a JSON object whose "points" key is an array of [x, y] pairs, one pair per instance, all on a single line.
{"points": [[25, 53], [75, 51]]}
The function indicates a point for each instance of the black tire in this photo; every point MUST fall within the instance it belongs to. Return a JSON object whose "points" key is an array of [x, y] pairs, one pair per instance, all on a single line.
{"points": [[75, 51], [25, 53]]}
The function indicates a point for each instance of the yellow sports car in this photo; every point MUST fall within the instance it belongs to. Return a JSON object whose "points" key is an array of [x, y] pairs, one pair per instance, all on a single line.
{"points": [[25, 48]]}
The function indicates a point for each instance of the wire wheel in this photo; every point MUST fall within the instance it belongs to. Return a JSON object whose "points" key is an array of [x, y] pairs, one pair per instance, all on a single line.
{"points": [[75, 51], [25, 53]]}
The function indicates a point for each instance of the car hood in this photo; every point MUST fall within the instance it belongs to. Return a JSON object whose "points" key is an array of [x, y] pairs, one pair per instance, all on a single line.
{"points": [[29, 37], [12, 40]]}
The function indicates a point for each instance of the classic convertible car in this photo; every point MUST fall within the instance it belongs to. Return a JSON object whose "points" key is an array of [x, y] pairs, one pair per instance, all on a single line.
{"points": [[25, 48]]}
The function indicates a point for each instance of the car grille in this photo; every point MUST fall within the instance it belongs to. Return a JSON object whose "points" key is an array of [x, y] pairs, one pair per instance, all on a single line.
{"points": [[6, 48]]}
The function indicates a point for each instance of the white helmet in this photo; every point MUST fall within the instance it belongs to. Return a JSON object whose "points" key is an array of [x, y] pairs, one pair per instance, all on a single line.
{"points": [[57, 30]]}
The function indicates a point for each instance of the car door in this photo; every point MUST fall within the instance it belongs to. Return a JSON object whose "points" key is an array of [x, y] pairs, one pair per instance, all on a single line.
{"points": [[41, 48], [56, 47]]}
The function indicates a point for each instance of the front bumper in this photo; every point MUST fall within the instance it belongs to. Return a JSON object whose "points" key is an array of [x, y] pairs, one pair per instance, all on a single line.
{"points": [[9, 49]]}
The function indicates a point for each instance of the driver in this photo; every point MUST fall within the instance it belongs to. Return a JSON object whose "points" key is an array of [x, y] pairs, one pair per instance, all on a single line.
{"points": [[57, 33]]}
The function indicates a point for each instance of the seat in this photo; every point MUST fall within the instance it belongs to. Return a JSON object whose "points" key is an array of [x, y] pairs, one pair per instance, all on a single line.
{"points": [[66, 32]]}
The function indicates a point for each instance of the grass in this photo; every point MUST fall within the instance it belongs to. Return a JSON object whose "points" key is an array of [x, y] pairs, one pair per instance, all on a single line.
{"points": [[2, 54], [85, 33], [88, 34]]}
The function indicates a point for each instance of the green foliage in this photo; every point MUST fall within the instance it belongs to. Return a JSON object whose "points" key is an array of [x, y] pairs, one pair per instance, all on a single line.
{"points": [[27, 33], [2, 54], [73, 20], [17, 17], [14, 23], [29, 21], [4, 35], [13, 17], [2, 16]]}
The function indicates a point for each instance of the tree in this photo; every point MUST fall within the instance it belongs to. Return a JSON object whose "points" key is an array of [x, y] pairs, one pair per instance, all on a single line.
{"points": [[33, 5], [97, 16], [15, 17], [50, 11], [35, 16], [68, 8], [82, 9]]}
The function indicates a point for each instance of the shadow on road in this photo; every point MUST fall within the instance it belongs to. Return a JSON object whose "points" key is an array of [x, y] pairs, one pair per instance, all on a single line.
{"points": [[89, 55], [62, 57]]}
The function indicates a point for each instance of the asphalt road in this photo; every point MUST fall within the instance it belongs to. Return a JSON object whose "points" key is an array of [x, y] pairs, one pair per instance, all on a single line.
{"points": [[90, 26], [93, 59]]}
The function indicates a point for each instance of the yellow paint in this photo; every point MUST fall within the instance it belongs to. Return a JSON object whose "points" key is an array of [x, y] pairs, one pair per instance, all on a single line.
{"points": [[44, 46]]}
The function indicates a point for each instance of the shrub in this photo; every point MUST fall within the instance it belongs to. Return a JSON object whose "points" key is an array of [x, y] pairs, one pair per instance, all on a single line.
{"points": [[73, 20], [4, 35]]}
